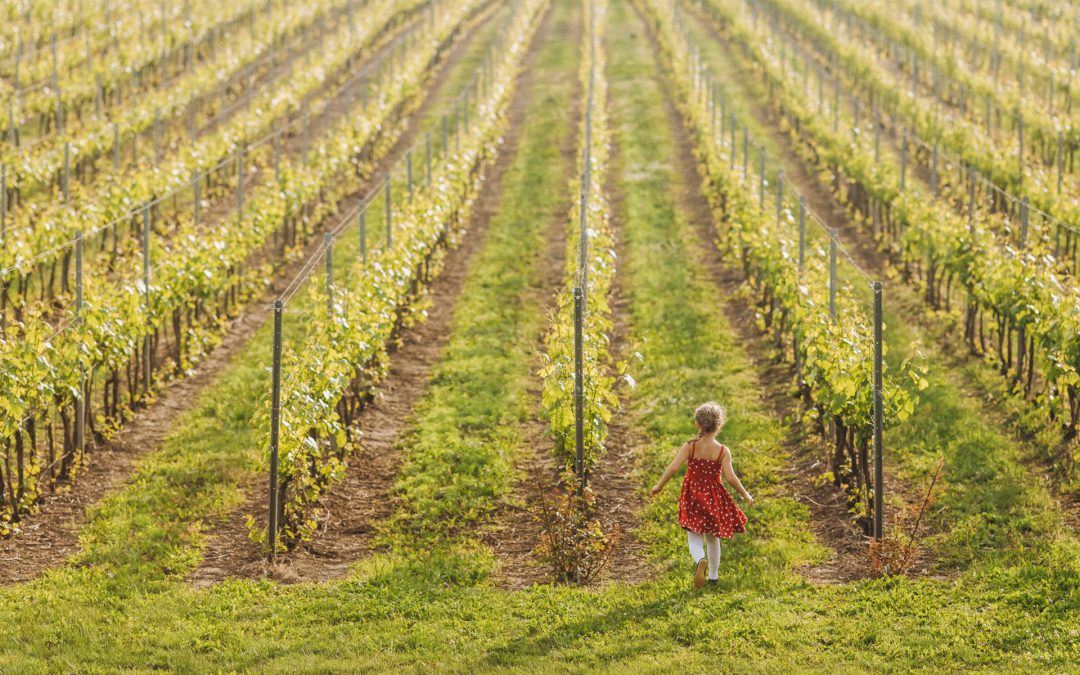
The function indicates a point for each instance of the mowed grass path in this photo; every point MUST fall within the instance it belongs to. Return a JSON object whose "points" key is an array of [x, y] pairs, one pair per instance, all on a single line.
{"points": [[460, 448], [396, 614]]}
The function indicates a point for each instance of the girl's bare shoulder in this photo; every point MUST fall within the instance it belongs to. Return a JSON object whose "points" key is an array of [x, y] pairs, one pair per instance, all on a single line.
{"points": [[712, 449]]}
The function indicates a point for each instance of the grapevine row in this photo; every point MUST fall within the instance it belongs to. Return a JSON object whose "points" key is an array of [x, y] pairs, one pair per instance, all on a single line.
{"points": [[1057, 37], [82, 159], [590, 266], [121, 334], [34, 30], [971, 93], [1035, 335], [958, 136], [832, 349], [126, 68], [1043, 49], [333, 374], [34, 36], [46, 236], [950, 178]]}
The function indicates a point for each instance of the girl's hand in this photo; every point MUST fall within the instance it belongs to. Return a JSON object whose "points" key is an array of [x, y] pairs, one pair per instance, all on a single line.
{"points": [[750, 500], [655, 490]]}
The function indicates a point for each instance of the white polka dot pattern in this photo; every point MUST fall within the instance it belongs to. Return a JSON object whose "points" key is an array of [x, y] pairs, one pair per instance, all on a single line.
{"points": [[705, 506]]}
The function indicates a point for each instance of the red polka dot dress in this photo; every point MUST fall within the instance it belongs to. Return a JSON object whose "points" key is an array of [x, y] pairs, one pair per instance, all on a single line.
{"points": [[705, 506]]}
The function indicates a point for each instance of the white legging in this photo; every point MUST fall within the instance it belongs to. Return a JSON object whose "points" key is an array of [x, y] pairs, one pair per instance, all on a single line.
{"points": [[698, 543]]}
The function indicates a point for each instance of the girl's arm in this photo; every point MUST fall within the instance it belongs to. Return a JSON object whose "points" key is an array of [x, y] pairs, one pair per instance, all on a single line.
{"points": [[732, 479], [680, 459]]}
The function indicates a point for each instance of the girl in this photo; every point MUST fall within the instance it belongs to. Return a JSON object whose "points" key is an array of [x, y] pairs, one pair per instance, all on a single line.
{"points": [[706, 510]]}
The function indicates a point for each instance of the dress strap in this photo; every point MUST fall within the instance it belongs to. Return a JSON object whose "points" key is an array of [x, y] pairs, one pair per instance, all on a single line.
{"points": [[692, 443]]}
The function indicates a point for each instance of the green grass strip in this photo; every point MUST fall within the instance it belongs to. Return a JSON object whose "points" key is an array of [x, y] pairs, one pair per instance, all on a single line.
{"points": [[461, 446], [691, 353]]}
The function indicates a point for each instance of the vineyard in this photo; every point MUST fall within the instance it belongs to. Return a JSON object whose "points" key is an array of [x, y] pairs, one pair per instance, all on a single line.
{"points": [[350, 335]]}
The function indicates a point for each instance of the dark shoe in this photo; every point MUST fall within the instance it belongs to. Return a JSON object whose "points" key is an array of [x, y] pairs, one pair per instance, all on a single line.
{"points": [[699, 574], [713, 582]]}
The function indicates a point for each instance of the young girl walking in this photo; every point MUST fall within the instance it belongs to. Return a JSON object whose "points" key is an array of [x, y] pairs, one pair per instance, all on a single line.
{"points": [[706, 510]]}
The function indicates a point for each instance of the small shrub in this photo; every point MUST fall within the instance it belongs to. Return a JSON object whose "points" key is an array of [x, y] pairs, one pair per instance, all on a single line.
{"points": [[898, 550], [574, 542]]}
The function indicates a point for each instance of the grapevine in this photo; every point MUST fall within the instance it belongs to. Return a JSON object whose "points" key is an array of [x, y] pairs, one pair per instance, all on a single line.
{"points": [[341, 362]]}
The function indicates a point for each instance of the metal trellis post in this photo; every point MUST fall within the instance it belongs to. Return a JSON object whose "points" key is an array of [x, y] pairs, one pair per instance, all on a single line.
{"points": [[389, 216], [328, 247], [934, 171], [146, 292], [275, 427], [779, 196], [832, 273], [80, 402], [240, 186], [879, 482], [802, 232], [579, 390], [761, 177], [363, 233], [903, 160]]}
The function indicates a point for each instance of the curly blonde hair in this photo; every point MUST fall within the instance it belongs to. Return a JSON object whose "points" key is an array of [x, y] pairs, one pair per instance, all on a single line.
{"points": [[710, 417]]}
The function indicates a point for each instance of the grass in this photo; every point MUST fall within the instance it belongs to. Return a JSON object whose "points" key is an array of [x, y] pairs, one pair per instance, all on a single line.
{"points": [[420, 613]]}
